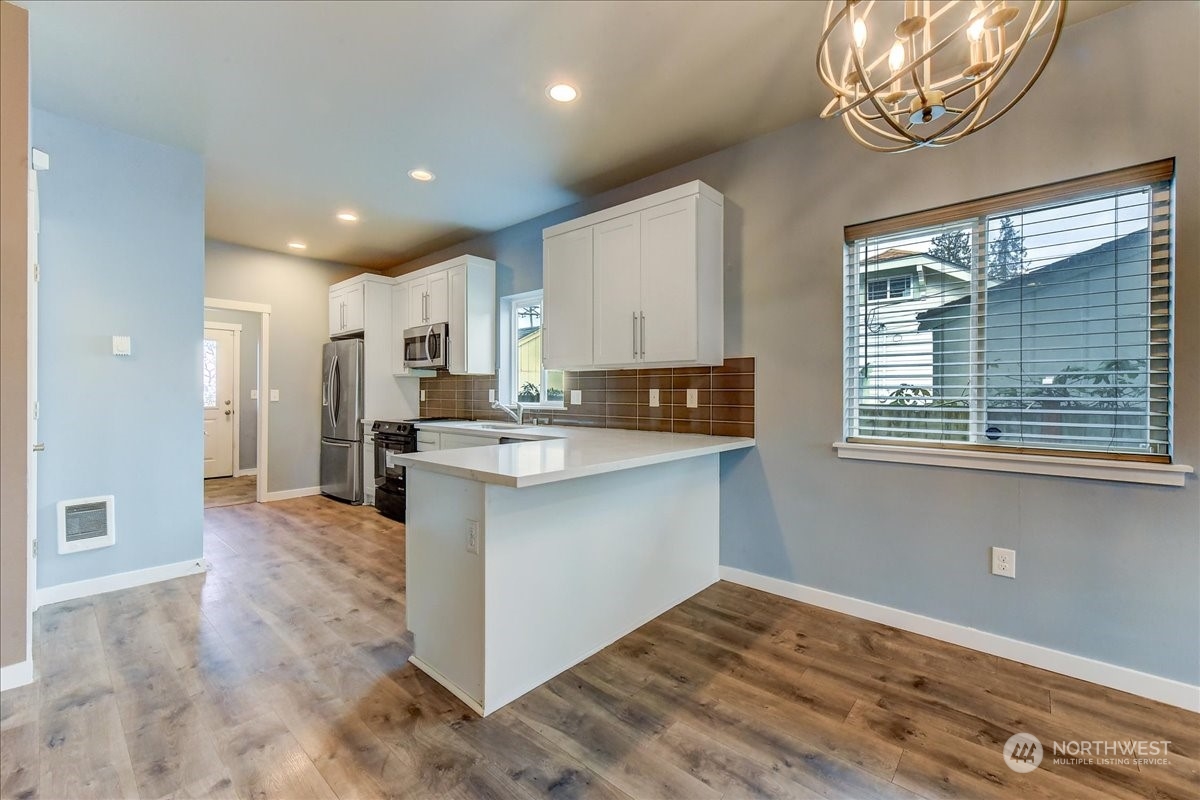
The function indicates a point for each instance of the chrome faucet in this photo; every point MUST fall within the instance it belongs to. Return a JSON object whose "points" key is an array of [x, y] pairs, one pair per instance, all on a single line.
{"points": [[517, 416]]}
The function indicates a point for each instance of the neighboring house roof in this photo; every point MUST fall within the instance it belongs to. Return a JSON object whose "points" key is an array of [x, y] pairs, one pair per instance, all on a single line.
{"points": [[1100, 255], [898, 255]]}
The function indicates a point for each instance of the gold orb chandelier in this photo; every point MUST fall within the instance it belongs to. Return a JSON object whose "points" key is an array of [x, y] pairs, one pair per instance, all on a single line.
{"points": [[920, 73]]}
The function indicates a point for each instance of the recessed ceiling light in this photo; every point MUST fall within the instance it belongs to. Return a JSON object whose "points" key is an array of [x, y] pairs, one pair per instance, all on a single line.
{"points": [[298, 245], [422, 175], [347, 216], [562, 92]]}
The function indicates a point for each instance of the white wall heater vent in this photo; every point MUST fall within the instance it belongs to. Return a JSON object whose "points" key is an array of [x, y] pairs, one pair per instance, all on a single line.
{"points": [[85, 524]]}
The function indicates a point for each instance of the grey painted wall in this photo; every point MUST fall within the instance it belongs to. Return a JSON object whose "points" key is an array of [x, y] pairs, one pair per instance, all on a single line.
{"points": [[1105, 570], [247, 379], [122, 252], [297, 289]]}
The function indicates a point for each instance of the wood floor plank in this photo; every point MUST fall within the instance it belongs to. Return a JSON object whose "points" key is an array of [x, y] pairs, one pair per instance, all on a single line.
{"points": [[284, 672]]}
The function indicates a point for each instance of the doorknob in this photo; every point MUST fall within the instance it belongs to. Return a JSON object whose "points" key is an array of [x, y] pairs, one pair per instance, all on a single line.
{"points": [[228, 413], [228, 402]]}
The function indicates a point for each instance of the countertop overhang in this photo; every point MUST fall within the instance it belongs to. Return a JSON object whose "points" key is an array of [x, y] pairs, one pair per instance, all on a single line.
{"points": [[552, 453]]}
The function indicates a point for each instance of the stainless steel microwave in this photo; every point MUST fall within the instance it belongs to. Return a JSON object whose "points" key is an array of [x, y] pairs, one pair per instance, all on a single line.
{"points": [[427, 347]]}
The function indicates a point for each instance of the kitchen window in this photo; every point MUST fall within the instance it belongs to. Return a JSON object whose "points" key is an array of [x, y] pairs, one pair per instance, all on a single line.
{"points": [[522, 377], [1041, 330]]}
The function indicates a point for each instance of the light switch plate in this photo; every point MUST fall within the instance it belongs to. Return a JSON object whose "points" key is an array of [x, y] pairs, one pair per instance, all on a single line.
{"points": [[693, 398], [254, 394], [121, 346], [654, 398], [274, 395], [491, 395], [422, 395], [473, 536], [576, 397]]}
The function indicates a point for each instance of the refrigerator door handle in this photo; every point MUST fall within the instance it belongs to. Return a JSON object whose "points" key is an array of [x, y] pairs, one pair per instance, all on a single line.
{"points": [[335, 391]]}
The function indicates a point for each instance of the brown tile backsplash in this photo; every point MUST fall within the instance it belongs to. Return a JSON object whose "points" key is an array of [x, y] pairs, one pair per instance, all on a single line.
{"points": [[621, 399]]}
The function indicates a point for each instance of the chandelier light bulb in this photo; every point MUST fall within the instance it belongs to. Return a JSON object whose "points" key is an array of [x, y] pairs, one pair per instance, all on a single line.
{"points": [[896, 57], [860, 33], [975, 32]]}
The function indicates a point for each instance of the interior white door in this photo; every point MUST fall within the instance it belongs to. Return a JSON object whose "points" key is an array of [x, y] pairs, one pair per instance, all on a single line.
{"points": [[219, 423], [616, 301]]}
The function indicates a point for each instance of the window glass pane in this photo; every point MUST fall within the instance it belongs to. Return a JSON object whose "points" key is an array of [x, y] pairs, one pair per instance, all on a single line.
{"points": [[903, 389], [527, 317], [1067, 330], [209, 372]]}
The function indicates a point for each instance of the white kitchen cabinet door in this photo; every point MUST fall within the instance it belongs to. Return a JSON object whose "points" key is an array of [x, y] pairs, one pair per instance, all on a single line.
{"points": [[416, 302], [567, 300], [616, 301], [399, 323], [437, 306], [668, 283], [354, 302], [336, 314]]}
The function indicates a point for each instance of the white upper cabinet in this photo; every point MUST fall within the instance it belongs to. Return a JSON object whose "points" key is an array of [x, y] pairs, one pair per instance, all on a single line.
{"points": [[347, 312], [428, 299], [460, 292], [567, 277], [656, 294]]}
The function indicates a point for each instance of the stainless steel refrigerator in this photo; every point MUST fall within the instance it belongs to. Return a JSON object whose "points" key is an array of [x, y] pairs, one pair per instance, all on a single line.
{"points": [[341, 420]]}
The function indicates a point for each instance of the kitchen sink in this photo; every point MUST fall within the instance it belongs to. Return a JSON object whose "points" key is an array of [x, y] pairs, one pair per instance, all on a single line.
{"points": [[501, 426]]}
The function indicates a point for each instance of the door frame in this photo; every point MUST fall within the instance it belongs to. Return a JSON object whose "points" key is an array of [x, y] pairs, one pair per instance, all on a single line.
{"points": [[264, 381], [236, 329]]}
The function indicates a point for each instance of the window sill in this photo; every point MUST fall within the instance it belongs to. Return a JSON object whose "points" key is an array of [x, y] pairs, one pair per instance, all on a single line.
{"points": [[1092, 468]]}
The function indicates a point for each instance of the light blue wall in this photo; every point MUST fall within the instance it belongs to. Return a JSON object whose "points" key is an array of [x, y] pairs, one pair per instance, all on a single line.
{"points": [[121, 253], [1105, 570]]}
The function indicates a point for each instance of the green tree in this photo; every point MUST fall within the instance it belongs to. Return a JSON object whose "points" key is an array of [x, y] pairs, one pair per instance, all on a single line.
{"points": [[1006, 253], [952, 246]]}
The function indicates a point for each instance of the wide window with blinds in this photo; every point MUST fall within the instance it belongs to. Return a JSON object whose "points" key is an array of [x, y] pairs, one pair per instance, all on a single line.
{"points": [[1038, 321]]}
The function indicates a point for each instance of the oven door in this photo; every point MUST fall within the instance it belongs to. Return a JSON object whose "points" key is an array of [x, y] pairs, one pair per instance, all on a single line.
{"points": [[389, 474]]}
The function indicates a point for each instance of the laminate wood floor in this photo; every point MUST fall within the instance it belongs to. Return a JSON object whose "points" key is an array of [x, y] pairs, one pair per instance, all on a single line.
{"points": [[230, 491], [283, 673]]}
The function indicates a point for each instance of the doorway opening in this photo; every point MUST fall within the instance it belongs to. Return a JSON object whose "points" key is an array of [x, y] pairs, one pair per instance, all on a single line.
{"points": [[234, 372]]}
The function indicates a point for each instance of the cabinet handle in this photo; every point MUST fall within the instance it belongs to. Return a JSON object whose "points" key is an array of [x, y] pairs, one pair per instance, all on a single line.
{"points": [[635, 335], [643, 336]]}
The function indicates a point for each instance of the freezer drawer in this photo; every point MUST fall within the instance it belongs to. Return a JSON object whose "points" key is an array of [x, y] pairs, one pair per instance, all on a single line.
{"points": [[341, 469]]}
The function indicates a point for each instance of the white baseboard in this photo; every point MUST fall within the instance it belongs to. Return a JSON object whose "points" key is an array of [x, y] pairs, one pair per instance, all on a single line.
{"points": [[241, 473], [288, 494], [122, 580], [1143, 684], [15, 675]]}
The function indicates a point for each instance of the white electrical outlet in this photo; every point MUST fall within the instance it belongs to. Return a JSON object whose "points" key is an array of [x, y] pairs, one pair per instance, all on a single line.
{"points": [[491, 395], [121, 346], [422, 395], [576, 397], [693, 398], [1004, 562], [473, 536], [274, 395], [254, 394], [654, 398]]}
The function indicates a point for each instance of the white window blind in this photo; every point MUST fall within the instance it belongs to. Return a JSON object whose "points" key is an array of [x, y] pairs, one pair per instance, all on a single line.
{"points": [[1036, 321]]}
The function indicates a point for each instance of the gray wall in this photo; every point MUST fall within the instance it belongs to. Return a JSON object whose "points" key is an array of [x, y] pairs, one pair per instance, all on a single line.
{"points": [[1105, 570], [247, 379], [297, 289], [122, 253]]}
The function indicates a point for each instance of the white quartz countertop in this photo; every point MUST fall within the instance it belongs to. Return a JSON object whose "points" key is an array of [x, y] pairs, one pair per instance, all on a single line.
{"points": [[551, 453]]}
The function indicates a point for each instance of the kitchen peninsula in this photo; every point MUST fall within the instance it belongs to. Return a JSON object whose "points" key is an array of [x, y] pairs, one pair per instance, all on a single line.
{"points": [[526, 557]]}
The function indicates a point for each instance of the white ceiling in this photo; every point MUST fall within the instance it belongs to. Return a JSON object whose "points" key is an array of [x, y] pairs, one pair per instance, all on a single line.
{"points": [[305, 108]]}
